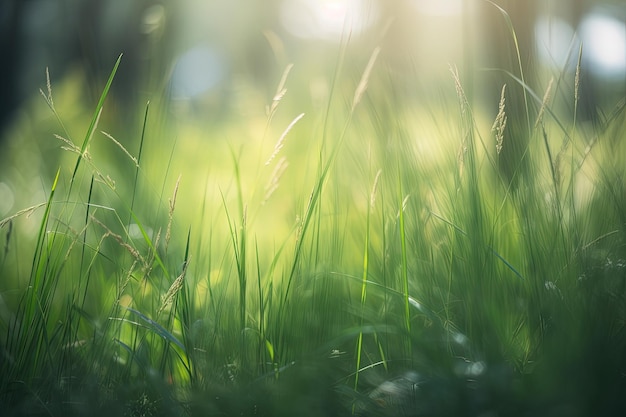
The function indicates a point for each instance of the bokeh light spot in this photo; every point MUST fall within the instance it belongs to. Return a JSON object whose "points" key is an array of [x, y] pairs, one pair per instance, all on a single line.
{"points": [[439, 7], [604, 44], [327, 19], [553, 37], [196, 72]]}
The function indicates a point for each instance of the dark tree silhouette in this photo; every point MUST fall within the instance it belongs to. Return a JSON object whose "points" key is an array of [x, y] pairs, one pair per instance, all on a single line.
{"points": [[10, 47]]}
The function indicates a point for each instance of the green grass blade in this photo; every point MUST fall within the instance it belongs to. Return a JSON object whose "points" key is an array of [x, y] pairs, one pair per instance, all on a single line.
{"points": [[158, 329], [94, 121]]}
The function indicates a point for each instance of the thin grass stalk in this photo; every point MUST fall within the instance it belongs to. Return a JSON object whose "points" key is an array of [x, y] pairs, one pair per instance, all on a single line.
{"points": [[364, 280], [185, 308], [238, 241], [509, 25], [94, 122], [137, 166], [243, 287], [84, 246], [404, 273], [573, 165], [50, 102], [261, 325], [384, 266], [468, 49], [281, 90], [36, 264]]}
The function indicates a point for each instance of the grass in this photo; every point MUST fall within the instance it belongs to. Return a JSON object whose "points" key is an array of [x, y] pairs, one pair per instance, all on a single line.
{"points": [[380, 263]]}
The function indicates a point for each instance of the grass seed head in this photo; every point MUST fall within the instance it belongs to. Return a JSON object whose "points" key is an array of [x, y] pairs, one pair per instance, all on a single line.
{"points": [[500, 123], [544, 103], [168, 298], [281, 140], [362, 87]]}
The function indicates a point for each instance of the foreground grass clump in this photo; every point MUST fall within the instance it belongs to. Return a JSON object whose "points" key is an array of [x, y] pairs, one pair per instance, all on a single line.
{"points": [[387, 267]]}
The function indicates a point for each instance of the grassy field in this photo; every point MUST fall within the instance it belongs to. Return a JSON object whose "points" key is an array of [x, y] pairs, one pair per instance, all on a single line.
{"points": [[356, 256]]}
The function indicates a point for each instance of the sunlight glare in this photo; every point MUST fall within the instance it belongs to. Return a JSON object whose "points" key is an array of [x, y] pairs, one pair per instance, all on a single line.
{"points": [[327, 19], [196, 72], [604, 44], [439, 7], [553, 38], [134, 231]]}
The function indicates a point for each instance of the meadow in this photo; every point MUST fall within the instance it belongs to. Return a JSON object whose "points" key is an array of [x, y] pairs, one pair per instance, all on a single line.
{"points": [[352, 255]]}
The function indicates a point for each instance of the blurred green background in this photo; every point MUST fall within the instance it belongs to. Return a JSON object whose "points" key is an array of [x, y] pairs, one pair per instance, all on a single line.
{"points": [[207, 57], [209, 63], [244, 114], [210, 69]]}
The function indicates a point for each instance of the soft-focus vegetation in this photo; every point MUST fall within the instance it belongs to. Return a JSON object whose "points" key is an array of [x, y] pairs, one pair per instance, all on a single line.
{"points": [[343, 251]]}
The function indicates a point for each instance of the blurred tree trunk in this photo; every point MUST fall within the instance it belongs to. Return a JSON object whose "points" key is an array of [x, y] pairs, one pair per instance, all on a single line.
{"points": [[10, 47]]}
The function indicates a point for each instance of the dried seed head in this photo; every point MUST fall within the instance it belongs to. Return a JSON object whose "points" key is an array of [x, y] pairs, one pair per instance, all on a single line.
{"points": [[360, 90], [170, 216], [277, 173], [174, 288], [544, 103], [459, 89], [281, 140], [500, 123], [375, 188]]}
